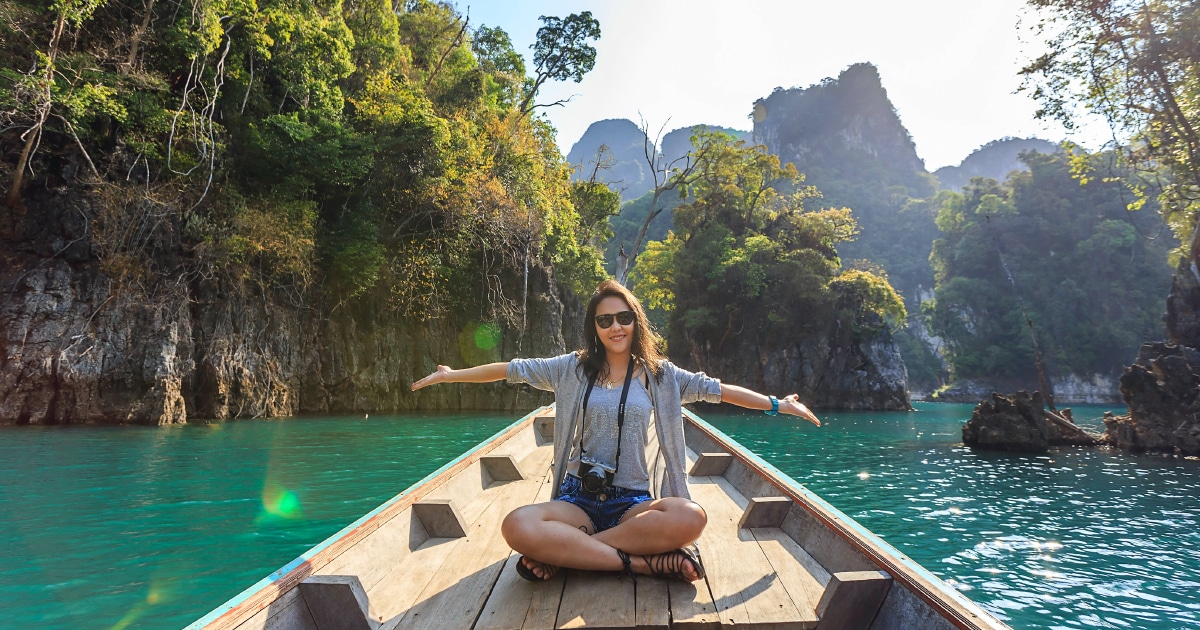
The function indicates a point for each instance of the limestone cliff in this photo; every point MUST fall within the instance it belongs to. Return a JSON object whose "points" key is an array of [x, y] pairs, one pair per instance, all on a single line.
{"points": [[1162, 387], [76, 346], [830, 370], [849, 117]]}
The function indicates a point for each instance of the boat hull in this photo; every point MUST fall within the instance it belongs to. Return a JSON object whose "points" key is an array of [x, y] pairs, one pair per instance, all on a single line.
{"points": [[776, 555]]}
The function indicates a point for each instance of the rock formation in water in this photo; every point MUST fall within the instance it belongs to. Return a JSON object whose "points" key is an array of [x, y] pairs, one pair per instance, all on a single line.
{"points": [[1008, 423], [1162, 389], [1020, 422], [79, 347]]}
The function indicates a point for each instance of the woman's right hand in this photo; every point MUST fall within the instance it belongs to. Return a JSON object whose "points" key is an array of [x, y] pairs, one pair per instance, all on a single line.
{"points": [[441, 375]]}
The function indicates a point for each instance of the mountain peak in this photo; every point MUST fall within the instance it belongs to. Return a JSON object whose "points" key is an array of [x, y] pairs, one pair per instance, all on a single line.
{"points": [[995, 159], [629, 173], [849, 115]]}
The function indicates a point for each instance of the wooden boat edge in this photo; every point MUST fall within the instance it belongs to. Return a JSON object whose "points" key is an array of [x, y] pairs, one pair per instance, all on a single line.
{"points": [[261, 594], [844, 541], [947, 601]]}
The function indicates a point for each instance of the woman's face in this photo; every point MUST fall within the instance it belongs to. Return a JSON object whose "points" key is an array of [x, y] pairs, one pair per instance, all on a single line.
{"points": [[618, 337]]}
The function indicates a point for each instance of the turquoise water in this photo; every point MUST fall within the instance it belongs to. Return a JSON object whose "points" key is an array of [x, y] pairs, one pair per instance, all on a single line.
{"points": [[134, 527], [1078, 538], [152, 527]]}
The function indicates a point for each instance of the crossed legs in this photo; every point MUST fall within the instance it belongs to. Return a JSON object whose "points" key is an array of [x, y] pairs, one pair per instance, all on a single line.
{"points": [[560, 534]]}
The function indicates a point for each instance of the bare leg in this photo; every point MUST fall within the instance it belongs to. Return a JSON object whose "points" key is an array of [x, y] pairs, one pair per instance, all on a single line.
{"points": [[557, 533], [657, 526], [560, 534]]}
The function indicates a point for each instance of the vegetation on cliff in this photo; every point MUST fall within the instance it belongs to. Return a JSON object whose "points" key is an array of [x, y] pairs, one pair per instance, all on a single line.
{"points": [[342, 144], [994, 160], [1136, 65], [846, 137], [1089, 276], [748, 259]]}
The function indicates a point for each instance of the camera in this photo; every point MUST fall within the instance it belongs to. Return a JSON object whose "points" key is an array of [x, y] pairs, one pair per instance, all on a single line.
{"points": [[594, 478]]}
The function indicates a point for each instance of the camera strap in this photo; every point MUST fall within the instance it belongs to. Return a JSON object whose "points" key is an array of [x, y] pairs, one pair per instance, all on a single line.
{"points": [[620, 413]]}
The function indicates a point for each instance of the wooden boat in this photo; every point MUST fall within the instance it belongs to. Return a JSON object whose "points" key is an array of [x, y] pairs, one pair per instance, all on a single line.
{"points": [[777, 556]]}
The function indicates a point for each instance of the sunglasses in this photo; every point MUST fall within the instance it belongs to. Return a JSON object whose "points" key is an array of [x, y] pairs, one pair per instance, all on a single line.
{"points": [[623, 318]]}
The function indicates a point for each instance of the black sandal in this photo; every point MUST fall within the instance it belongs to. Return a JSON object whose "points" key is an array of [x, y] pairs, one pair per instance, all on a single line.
{"points": [[628, 569], [670, 564], [528, 573]]}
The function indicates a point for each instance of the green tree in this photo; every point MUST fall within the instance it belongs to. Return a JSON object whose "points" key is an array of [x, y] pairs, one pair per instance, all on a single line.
{"points": [[35, 94], [376, 149], [1066, 255], [505, 67], [747, 257], [1135, 64], [561, 52]]}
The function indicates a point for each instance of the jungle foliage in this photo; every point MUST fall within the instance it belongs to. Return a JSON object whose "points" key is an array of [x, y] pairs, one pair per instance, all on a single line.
{"points": [[746, 257], [367, 147], [1137, 65], [1089, 274]]}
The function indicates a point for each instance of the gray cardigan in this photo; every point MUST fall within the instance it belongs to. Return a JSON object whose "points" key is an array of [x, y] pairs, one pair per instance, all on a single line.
{"points": [[664, 456]]}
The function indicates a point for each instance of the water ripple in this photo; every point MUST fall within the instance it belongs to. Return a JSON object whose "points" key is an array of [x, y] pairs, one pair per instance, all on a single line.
{"points": [[1071, 539]]}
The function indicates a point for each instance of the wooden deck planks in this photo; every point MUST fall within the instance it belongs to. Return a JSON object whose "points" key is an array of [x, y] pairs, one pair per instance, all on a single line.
{"points": [[594, 599], [518, 603], [396, 593], [407, 581], [760, 578], [652, 603], [803, 578], [378, 554], [745, 588], [758, 574], [454, 598], [692, 606]]}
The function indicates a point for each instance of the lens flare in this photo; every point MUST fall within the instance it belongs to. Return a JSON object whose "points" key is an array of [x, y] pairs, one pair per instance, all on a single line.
{"points": [[158, 594], [281, 502], [487, 336]]}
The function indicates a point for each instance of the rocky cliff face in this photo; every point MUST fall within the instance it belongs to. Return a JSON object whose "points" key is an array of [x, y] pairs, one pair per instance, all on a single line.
{"points": [[1162, 390], [75, 346], [828, 371], [846, 137], [1162, 387], [1183, 305], [627, 171], [850, 117]]}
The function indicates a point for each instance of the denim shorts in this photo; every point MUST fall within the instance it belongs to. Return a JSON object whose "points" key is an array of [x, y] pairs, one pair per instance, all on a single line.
{"points": [[605, 508]]}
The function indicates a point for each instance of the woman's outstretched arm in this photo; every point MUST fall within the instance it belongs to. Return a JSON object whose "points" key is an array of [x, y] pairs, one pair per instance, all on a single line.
{"points": [[478, 374], [743, 397]]}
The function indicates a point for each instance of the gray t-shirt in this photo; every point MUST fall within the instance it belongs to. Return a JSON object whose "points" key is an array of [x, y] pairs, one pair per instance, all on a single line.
{"points": [[665, 452], [599, 443]]}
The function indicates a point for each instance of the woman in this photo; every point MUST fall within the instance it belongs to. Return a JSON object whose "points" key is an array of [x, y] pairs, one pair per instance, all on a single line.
{"points": [[618, 432]]}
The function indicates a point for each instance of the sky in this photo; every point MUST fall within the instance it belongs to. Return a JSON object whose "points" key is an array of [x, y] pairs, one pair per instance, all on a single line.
{"points": [[949, 66]]}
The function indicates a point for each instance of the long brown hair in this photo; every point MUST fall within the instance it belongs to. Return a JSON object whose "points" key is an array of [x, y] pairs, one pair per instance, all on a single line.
{"points": [[645, 344]]}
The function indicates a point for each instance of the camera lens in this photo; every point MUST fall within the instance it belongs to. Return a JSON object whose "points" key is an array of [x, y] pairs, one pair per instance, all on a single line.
{"points": [[592, 479]]}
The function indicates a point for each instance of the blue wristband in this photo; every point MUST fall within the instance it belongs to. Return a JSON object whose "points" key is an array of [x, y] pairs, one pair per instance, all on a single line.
{"points": [[774, 410]]}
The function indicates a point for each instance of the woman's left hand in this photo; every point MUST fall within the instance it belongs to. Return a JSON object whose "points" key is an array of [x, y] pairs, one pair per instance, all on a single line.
{"points": [[792, 406]]}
